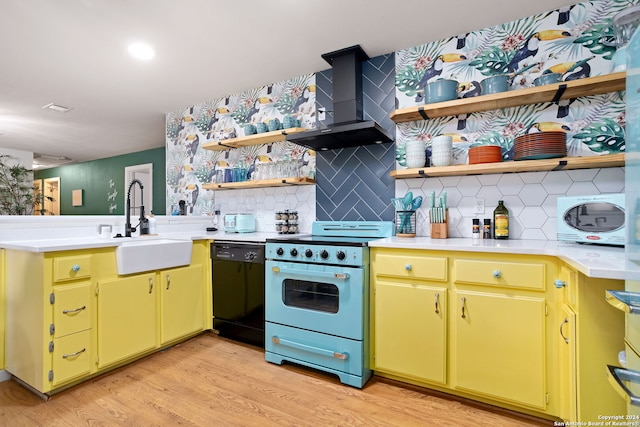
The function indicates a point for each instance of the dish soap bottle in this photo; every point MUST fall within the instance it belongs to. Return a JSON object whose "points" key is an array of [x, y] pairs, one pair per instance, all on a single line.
{"points": [[501, 221], [152, 224]]}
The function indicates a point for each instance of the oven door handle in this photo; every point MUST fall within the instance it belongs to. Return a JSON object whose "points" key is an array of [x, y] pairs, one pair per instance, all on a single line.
{"points": [[310, 348], [323, 274]]}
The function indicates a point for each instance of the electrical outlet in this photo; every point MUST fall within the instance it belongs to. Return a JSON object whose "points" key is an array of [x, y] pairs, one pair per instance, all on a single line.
{"points": [[478, 206], [321, 115]]}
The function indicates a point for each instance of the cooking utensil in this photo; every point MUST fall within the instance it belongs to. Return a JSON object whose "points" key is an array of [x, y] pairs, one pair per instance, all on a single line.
{"points": [[408, 198], [416, 203], [398, 203]]}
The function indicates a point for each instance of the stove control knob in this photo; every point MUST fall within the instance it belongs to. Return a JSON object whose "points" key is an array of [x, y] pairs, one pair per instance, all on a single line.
{"points": [[341, 255], [280, 251], [293, 252], [250, 256], [308, 253], [324, 254]]}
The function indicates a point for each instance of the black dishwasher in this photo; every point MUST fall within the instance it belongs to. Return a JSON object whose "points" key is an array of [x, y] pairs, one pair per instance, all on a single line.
{"points": [[238, 290]]}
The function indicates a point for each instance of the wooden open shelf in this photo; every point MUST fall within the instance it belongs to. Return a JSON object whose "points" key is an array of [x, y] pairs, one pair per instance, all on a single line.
{"points": [[279, 182], [256, 139], [562, 163], [534, 95]]}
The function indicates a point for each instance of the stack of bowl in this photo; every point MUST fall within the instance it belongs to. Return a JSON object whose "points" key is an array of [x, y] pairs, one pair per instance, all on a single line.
{"points": [[484, 154], [541, 145]]}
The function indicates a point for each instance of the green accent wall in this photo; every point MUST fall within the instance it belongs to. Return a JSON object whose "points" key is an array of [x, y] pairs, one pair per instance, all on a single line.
{"points": [[99, 178]]}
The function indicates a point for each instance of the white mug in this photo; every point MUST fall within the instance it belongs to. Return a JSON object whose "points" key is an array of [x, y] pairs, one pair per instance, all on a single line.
{"points": [[415, 154], [441, 150]]}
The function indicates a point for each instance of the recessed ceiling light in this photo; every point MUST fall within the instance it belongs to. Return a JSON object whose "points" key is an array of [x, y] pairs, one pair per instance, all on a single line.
{"points": [[141, 51], [56, 107]]}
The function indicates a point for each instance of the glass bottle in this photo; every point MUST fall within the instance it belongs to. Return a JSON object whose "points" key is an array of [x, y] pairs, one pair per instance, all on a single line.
{"points": [[501, 221]]}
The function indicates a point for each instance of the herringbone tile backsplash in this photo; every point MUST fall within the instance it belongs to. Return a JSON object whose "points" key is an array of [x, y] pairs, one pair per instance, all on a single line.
{"points": [[353, 184]]}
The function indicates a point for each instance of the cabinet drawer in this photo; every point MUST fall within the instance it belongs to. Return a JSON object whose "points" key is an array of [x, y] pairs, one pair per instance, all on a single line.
{"points": [[71, 267], [525, 275], [71, 357], [71, 308], [411, 267]]}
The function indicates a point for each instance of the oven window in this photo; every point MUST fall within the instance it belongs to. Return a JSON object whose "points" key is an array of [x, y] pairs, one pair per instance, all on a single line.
{"points": [[311, 295]]}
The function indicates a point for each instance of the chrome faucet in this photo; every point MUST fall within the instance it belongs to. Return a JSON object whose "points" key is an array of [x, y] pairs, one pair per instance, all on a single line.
{"points": [[127, 225]]}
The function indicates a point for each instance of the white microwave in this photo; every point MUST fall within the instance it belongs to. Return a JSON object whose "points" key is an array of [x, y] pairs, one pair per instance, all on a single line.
{"points": [[592, 219]]}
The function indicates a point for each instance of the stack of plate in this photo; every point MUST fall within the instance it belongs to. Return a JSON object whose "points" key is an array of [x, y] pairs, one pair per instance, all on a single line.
{"points": [[541, 145], [484, 154]]}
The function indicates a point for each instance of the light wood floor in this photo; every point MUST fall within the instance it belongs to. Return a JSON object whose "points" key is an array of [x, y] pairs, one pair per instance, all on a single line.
{"points": [[211, 381]]}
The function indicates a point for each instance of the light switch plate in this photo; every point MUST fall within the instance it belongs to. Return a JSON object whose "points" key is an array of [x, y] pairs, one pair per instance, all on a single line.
{"points": [[478, 206]]}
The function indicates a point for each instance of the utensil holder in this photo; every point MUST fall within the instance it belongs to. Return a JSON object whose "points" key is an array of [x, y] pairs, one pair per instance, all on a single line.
{"points": [[405, 224], [439, 230]]}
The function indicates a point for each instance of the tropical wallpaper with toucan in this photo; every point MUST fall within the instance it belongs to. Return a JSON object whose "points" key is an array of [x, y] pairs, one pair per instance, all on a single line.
{"points": [[189, 166], [576, 41]]}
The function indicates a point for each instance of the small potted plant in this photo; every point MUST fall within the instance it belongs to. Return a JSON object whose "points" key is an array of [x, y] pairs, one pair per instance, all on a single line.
{"points": [[17, 195]]}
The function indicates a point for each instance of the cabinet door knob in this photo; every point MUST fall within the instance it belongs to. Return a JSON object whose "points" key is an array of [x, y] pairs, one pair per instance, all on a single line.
{"points": [[464, 300], [75, 268], [408, 267], [437, 303], [560, 283], [168, 281], [497, 274], [150, 284]]}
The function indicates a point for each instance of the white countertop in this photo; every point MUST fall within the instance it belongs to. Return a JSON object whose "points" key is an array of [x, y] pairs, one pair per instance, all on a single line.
{"points": [[74, 243], [603, 262], [593, 261]]}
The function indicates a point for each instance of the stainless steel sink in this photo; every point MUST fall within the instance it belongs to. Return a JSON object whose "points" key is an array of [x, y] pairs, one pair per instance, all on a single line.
{"points": [[142, 254]]}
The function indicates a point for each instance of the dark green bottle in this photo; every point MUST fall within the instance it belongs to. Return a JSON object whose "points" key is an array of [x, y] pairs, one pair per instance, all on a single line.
{"points": [[501, 221]]}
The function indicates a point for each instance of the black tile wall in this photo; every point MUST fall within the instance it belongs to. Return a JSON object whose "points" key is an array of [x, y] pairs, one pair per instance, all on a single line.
{"points": [[353, 184]]}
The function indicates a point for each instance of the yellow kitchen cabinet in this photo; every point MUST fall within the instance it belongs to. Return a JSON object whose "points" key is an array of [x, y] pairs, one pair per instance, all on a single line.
{"points": [[50, 339], [499, 327], [409, 312], [498, 346], [494, 341], [182, 302], [70, 316], [411, 341], [599, 337], [568, 410], [126, 317]]}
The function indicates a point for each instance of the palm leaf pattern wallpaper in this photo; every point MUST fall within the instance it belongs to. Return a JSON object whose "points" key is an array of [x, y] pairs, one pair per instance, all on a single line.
{"points": [[576, 41], [189, 166]]}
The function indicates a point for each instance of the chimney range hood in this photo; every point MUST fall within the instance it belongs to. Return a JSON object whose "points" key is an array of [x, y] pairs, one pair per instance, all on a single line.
{"points": [[348, 128]]}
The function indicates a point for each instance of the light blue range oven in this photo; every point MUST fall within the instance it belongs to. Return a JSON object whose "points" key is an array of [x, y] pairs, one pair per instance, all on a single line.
{"points": [[317, 298]]}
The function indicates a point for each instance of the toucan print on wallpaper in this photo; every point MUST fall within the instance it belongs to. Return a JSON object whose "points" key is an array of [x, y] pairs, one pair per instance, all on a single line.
{"points": [[576, 41]]}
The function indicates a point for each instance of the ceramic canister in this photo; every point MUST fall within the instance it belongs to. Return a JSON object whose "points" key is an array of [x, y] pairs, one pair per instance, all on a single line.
{"points": [[441, 150], [416, 156]]}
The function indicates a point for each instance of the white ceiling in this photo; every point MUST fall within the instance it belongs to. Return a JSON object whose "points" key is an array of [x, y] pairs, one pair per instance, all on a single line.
{"points": [[74, 53]]}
